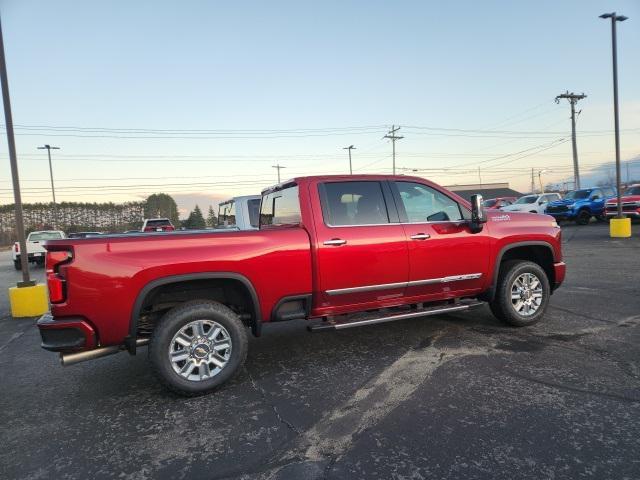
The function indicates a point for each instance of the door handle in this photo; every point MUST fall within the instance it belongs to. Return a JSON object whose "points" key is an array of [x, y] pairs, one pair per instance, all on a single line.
{"points": [[335, 241], [420, 236]]}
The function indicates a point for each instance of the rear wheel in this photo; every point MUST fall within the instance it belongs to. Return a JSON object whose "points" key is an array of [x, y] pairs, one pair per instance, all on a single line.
{"points": [[197, 347], [17, 264], [583, 217], [522, 293]]}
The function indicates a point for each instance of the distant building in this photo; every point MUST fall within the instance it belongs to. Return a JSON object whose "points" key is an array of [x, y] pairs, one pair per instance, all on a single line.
{"points": [[487, 190]]}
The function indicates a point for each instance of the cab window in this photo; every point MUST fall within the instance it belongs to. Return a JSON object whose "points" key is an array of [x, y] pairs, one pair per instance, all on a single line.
{"points": [[353, 203], [425, 204]]}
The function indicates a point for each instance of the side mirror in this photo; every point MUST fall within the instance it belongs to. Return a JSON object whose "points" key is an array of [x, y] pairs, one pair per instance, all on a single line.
{"points": [[478, 215]]}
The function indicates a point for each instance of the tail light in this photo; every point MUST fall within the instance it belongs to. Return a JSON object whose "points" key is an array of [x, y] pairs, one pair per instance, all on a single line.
{"points": [[16, 247], [55, 281]]}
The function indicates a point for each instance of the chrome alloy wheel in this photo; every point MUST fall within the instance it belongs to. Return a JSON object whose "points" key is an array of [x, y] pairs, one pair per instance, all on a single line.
{"points": [[200, 350], [526, 294]]}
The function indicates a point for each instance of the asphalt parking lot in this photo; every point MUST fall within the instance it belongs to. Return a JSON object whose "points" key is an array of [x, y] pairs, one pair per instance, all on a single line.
{"points": [[455, 396]]}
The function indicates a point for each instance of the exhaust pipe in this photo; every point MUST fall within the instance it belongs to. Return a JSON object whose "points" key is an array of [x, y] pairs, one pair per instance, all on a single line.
{"points": [[76, 357]]}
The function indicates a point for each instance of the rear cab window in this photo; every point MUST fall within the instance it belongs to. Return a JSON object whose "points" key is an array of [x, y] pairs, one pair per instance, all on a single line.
{"points": [[227, 215], [281, 207], [353, 203], [254, 212]]}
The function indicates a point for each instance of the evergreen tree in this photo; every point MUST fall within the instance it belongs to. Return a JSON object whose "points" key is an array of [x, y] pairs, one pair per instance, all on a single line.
{"points": [[195, 219], [212, 220]]}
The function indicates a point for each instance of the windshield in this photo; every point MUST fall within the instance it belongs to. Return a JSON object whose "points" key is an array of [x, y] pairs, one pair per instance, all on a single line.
{"points": [[489, 203], [160, 222], [635, 190], [41, 236], [525, 200], [577, 195]]}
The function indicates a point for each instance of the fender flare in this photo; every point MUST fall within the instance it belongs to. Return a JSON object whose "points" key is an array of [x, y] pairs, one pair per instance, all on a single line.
{"points": [[491, 291], [256, 322]]}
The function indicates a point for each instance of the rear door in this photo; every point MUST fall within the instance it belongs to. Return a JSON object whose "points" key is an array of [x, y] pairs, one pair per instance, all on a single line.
{"points": [[362, 251], [445, 259]]}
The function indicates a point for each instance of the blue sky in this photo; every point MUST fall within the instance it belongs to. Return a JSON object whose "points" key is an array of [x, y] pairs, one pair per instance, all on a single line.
{"points": [[238, 66]]}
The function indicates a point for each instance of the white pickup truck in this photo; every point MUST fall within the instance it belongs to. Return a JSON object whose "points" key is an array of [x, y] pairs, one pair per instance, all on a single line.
{"points": [[239, 213], [35, 252]]}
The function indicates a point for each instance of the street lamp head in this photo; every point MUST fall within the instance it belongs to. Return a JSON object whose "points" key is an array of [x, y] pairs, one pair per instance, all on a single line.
{"points": [[607, 15], [621, 18]]}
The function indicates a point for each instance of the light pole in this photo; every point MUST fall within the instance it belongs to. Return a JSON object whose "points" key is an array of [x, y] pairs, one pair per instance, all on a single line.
{"points": [[350, 147], [540, 172], [48, 148], [614, 48]]}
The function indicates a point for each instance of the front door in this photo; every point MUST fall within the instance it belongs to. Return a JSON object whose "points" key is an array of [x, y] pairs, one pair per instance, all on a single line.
{"points": [[446, 260], [362, 251]]}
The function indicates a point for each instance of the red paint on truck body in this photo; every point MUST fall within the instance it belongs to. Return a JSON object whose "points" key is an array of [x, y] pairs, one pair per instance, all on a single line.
{"points": [[106, 274]]}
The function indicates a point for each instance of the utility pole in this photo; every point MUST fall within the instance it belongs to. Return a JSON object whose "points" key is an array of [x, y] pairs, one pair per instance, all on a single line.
{"points": [[479, 176], [11, 141], [573, 99], [533, 182], [540, 172], [350, 147], [614, 48], [48, 148], [278, 167], [393, 137]]}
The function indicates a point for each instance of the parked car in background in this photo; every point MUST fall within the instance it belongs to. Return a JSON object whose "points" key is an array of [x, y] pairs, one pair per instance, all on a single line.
{"points": [[84, 234], [342, 250], [239, 213], [498, 203], [581, 205], [157, 225], [536, 203], [35, 251], [630, 203]]}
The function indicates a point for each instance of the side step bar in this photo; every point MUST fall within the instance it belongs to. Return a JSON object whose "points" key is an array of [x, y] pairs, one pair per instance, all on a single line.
{"points": [[457, 307], [76, 357]]}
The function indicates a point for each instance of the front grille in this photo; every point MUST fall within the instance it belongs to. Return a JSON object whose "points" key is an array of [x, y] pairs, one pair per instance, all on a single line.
{"points": [[557, 208]]}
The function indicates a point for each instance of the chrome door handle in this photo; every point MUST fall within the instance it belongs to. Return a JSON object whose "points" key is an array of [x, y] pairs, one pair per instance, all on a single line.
{"points": [[335, 241], [420, 236]]}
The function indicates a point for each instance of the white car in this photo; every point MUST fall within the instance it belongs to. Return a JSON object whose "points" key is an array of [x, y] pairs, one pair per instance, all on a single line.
{"points": [[35, 251], [532, 203], [239, 213]]}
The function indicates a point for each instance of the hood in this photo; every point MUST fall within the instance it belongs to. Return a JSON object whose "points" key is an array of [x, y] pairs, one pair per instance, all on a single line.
{"points": [[525, 207], [569, 201], [625, 198]]}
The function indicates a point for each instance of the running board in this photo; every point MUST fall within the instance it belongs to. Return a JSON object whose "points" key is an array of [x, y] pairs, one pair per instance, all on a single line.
{"points": [[437, 310]]}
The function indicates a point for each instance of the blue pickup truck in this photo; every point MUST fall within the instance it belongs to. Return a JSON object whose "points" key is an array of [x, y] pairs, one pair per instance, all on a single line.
{"points": [[581, 205]]}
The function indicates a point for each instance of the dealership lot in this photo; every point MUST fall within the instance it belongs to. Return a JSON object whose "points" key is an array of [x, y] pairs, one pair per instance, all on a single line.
{"points": [[454, 396]]}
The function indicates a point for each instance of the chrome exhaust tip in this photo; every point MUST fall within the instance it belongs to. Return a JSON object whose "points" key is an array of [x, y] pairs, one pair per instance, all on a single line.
{"points": [[67, 359]]}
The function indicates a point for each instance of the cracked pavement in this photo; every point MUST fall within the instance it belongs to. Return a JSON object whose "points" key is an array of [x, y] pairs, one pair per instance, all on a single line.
{"points": [[452, 396]]}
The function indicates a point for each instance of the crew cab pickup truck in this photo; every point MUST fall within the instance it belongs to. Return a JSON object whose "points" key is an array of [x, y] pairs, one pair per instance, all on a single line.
{"points": [[339, 251], [581, 205], [35, 249], [630, 203], [239, 213]]}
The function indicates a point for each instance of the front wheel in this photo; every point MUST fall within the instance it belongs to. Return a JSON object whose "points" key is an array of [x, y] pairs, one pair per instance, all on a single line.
{"points": [[522, 293], [197, 347], [583, 217]]}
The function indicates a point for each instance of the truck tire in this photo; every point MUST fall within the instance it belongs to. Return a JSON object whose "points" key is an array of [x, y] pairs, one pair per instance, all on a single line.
{"points": [[198, 346], [17, 264], [583, 218], [522, 293]]}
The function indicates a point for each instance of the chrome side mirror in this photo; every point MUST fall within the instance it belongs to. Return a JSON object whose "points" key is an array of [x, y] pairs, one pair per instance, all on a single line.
{"points": [[478, 215]]}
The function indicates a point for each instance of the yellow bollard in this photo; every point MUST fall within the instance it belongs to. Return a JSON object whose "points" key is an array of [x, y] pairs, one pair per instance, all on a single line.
{"points": [[28, 301], [620, 227]]}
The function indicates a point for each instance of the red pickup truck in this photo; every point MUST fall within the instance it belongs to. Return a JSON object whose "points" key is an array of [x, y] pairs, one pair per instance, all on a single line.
{"points": [[342, 251]]}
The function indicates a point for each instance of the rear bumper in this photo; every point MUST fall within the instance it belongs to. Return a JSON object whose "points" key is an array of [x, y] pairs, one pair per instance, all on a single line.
{"points": [[560, 270], [66, 335]]}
